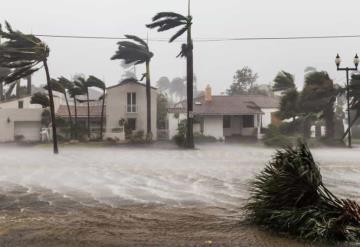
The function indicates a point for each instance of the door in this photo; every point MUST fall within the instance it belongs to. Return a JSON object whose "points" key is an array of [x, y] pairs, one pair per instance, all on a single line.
{"points": [[27, 131]]}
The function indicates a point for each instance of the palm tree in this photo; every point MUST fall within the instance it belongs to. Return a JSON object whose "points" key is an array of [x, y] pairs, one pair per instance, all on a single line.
{"points": [[82, 84], [40, 98], [3, 74], [92, 81], [61, 85], [137, 52], [74, 92], [168, 20], [23, 53]]}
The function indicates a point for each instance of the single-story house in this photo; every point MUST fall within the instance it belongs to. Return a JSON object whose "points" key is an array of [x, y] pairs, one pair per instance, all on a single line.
{"points": [[225, 116], [126, 102]]}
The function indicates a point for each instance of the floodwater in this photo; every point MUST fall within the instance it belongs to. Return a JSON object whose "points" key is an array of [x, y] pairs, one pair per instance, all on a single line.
{"points": [[144, 196]]}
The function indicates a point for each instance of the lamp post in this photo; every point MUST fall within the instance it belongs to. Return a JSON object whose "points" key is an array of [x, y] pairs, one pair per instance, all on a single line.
{"points": [[347, 69]]}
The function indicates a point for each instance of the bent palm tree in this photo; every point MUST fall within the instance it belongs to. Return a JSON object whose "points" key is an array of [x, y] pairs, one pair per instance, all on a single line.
{"points": [[60, 86], [168, 20], [137, 52], [74, 92], [82, 84], [92, 81], [23, 53], [283, 82]]}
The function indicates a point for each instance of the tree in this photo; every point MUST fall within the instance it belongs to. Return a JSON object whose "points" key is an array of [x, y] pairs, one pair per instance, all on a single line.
{"points": [[62, 85], [163, 84], [23, 53], [4, 72], [40, 99], [136, 52], [243, 81], [164, 21], [178, 88], [162, 107], [83, 86], [289, 105], [74, 92], [284, 81], [354, 89], [318, 97], [92, 81]]}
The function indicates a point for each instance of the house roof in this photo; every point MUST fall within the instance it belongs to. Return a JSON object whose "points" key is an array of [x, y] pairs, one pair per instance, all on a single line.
{"points": [[229, 105], [128, 81], [82, 111]]}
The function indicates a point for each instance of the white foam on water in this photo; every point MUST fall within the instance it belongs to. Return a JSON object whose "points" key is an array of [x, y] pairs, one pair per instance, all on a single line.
{"points": [[212, 174]]}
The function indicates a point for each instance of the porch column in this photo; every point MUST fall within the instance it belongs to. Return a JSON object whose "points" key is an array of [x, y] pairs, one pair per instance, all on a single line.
{"points": [[259, 123]]}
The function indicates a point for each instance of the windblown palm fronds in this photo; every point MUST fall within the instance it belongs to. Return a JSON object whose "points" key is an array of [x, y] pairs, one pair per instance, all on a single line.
{"points": [[40, 99], [289, 196], [23, 54]]}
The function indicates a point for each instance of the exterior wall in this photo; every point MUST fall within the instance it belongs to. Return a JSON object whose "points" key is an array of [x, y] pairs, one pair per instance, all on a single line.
{"points": [[7, 128], [116, 103], [13, 103], [266, 117], [174, 122], [213, 126]]}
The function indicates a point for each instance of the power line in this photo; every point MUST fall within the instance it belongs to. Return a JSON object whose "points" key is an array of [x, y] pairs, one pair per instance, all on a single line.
{"points": [[207, 40]]}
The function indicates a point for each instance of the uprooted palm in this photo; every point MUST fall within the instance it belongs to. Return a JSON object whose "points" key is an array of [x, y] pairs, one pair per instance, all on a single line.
{"points": [[289, 196], [23, 53]]}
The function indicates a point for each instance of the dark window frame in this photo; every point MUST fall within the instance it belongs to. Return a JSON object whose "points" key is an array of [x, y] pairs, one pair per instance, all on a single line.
{"points": [[248, 121], [21, 104], [131, 123]]}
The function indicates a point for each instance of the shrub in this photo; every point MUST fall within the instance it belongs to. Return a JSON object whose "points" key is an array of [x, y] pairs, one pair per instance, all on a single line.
{"points": [[138, 137], [19, 138], [201, 138], [180, 137], [289, 196], [274, 138]]}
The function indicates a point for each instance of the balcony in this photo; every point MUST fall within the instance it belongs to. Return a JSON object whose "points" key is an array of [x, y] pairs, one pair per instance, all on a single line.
{"points": [[132, 108]]}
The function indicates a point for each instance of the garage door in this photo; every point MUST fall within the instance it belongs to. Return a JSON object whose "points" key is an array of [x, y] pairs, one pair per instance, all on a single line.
{"points": [[29, 130]]}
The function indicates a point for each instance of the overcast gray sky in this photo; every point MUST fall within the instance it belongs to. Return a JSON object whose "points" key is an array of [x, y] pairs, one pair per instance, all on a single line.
{"points": [[215, 62]]}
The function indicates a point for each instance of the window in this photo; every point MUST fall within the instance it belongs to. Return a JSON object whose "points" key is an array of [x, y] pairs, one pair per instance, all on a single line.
{"points": [[131, 123], [131, 102], [227, 122], [20, 104], [248, 121]]}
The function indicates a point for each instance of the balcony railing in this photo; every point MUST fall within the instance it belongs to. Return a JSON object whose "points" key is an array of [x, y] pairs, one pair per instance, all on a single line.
{"points": [[132, 109]]}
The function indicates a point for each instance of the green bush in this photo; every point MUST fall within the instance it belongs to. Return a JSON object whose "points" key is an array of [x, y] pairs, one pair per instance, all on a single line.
{"points": [[180, 137], [274, 138], [138, 137], [201, 138]]}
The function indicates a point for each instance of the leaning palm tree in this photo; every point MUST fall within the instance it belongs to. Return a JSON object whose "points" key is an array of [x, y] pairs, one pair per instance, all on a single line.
{"points": [[61, 85], [136, 52], [4, 72], [82, 84], [23, 53], [40, 98], [74, 93], [168, 20], [92, 81]]}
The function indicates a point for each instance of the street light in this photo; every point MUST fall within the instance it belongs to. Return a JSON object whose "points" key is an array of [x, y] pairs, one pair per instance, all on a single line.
{"points": [[347, 69]]}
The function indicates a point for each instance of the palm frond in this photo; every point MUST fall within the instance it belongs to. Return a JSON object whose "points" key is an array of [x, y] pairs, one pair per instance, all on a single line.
{"points": [[168, 15], [93, 81], [137, 39], [40, 99], [178, 34], [289, 196]]}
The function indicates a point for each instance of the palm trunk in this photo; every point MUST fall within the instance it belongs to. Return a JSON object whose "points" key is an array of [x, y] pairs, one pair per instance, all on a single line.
{"points": [[148, 102], [189, 87], [1, 91], [76, 122], [102, 117], [70, 117], [88, 111], [52, 108]]}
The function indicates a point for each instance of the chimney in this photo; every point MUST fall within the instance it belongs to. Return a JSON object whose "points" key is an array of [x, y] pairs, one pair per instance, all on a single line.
{"points": [[208, 94], [28, 85]]}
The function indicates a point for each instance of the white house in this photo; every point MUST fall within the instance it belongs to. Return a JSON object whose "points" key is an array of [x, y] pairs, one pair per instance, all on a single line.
{"points": [[225, 116], [127, 102]]}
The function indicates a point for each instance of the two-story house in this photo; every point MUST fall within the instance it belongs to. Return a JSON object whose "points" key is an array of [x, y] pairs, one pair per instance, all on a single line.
{"points": [[127, 102]]}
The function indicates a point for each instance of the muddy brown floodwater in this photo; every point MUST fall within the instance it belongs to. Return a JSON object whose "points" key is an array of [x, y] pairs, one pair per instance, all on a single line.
{"points": [[144, 197]]}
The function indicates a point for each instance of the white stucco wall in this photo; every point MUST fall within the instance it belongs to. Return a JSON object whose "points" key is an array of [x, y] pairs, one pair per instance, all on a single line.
{"points": [[174, 122], [266, 117], [13, 103], [7, 128], [213, 126], [116, 102]]}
